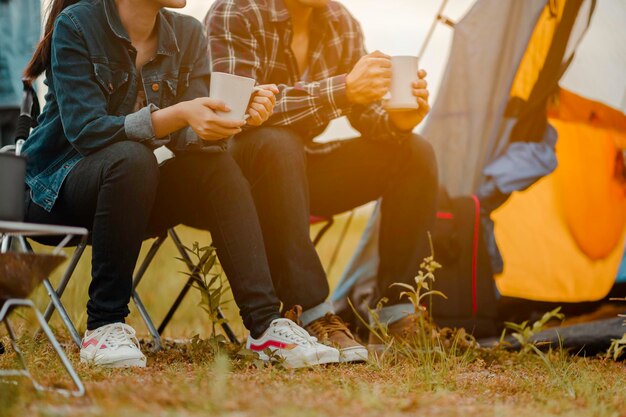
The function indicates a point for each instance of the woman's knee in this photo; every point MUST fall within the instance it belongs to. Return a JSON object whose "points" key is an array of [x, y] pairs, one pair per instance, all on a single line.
{"points": [[134, 163]]}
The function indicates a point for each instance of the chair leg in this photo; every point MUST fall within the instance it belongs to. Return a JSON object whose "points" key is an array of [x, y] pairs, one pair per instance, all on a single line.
{"points": [[322, 231], [143, 312], [185, 256], [170, 313], [56, 294], [20, 356], [154, 333], [60, 308], [5, 244], [4, 312], [156, 245], [78, 253]]}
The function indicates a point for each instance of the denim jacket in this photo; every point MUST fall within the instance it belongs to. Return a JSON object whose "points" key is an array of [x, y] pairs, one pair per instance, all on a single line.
{"points": [[92, 90]]}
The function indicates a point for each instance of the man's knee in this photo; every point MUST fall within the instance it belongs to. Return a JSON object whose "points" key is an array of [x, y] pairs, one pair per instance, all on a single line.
{"points": [[420, 157], [270, 145]]}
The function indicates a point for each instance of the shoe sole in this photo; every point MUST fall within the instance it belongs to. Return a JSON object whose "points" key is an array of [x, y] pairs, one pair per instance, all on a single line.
{"points": [[353, 354], [295, 363], [323, 359], [123, 363]]}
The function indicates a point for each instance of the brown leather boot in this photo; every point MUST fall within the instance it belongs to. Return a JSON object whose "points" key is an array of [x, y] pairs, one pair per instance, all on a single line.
{"points": [[332, 331], [419, 329], [405, 330]]}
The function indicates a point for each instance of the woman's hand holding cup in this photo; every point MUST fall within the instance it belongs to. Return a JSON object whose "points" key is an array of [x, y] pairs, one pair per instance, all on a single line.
{"points": [[201, 115]]}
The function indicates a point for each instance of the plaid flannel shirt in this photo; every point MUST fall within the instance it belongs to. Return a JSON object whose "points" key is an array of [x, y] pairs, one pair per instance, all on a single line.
{"points": [[252, 38]]}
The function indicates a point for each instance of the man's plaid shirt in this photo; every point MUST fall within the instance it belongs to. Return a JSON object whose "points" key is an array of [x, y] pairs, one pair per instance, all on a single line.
{"points": [[252, 38]]}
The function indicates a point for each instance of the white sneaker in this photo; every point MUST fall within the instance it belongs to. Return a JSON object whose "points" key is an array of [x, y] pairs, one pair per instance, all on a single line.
{"points": [[113, 345], [291, 342]]}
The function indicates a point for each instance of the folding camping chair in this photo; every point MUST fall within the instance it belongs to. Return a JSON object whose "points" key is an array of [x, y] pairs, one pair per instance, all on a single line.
{"points": [[17, 294]]}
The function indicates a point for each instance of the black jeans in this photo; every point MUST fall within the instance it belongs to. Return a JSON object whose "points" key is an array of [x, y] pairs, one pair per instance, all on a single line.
{"points": [[289, 183], [122, 196]]}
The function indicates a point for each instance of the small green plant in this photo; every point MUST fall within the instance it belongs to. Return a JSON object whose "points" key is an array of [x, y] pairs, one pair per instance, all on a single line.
{"points": [[201, 350], [248, 358], [618, 346], [559, 367], [524, 333], [207, 276], [439, 352], [423, 288], [423, 282]]}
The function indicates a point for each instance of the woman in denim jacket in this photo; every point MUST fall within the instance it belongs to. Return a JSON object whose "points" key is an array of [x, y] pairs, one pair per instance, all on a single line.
{"points": [[124, 78]]}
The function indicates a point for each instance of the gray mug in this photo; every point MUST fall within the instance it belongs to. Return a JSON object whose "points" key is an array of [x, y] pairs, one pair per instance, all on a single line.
{"points": [[12, 177]]}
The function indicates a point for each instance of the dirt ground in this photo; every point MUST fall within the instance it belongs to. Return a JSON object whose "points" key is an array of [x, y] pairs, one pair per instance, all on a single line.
{"points": [[192, 379]]}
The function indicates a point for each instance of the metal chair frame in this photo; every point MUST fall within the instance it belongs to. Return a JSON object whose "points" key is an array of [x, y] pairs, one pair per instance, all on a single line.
{"points": [[183, 292], [15, 230], [55, 294], [6, 309]]}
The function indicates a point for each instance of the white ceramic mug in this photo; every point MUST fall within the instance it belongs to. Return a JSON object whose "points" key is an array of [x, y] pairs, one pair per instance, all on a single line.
{"points": [[403, 73], [233, 90]]}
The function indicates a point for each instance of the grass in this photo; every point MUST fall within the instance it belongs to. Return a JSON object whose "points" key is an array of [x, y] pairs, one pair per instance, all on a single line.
{"points": [[188, 379], [485, 383]]}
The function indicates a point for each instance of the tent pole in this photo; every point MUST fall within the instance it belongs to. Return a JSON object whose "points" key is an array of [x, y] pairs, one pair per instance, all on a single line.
{"points": [[431, 31]]}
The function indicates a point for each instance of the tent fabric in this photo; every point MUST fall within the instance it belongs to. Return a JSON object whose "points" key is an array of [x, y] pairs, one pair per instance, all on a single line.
{"points": [[361, 269], [597, 72], [562, 239], [621, 273], [522, 164], [488, 45], [583, 339], [536, 53], [533, 63], [523, 152], [542, 66], [593, 199]]}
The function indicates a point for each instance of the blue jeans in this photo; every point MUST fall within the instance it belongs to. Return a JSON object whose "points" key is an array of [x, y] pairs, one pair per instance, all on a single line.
{"points": [[289, 182], [122, 196]]}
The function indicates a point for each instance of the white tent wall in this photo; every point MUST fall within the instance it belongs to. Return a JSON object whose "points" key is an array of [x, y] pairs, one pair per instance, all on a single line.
{"points": [[599, 73], [488, 45]]}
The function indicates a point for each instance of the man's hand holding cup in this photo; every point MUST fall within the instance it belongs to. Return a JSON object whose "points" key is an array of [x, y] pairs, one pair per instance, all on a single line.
{"points": [[370, 78], [404, 117]]}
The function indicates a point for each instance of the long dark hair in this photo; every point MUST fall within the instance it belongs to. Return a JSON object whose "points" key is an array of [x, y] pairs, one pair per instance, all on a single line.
{"points": [[41, 58]]}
